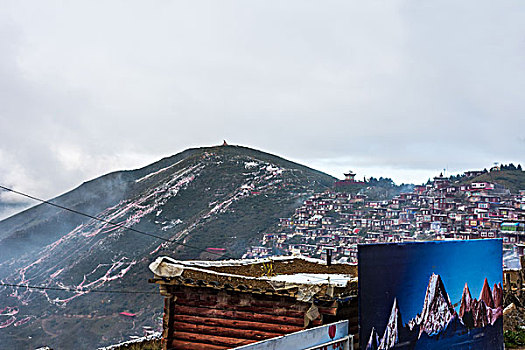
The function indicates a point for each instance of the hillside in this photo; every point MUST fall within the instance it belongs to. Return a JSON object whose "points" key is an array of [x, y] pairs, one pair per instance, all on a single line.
{"points": [[221, 197], [514, 180]]}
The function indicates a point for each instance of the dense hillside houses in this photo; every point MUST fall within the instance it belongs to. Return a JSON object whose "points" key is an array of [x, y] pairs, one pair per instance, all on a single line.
{"points": [[444, 208]]}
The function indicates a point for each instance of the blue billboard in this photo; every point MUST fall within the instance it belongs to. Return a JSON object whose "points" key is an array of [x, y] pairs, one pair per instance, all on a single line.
{"points": [[431, 295]]}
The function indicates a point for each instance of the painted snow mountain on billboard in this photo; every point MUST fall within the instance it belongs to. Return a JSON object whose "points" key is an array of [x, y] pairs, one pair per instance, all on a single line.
{"points": [[439, 320], [216, 197]]}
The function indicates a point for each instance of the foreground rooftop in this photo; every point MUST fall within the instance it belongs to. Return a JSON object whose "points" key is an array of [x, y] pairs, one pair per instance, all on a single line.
{"points": [[226, 304]]}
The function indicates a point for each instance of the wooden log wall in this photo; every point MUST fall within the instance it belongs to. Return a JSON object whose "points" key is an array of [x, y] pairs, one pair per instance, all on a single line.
{"points": [[205, 318]]}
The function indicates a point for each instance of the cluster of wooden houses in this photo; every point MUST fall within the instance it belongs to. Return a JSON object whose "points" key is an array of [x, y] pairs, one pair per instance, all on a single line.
{"points": [[337, 221], [264, 302]]}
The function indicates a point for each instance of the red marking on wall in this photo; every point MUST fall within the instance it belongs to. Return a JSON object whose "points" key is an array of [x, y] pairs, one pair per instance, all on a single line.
{"points": [[331, 331]]}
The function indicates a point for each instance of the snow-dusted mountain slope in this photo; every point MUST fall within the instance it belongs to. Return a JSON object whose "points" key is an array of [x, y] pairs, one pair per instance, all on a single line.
{"points": [[221, 197]]}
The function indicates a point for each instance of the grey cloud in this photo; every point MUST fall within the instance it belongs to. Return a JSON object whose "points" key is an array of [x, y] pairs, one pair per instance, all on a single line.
{"points": [[95, 86]]}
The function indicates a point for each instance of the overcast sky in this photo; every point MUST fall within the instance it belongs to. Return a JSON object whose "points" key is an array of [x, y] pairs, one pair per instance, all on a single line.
{"points": [[390, 88]]}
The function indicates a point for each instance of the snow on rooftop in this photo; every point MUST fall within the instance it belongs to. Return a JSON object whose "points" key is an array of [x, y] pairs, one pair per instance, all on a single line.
{"points": [[511, 261], [338, 280], [239, 262], [168, 267]]}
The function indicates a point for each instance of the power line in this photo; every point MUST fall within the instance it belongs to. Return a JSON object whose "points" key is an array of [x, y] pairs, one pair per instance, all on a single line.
{"points": [[76, 290], [110, 222]]}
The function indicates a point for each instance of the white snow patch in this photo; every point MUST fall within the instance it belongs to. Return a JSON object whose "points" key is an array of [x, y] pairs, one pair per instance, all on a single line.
{"points": [[157, 172], [154, 336], [271, 169], [171, 224], [337, 280], [249, 165]]}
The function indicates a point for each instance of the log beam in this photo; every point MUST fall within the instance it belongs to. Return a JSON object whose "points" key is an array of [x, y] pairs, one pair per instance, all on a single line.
{"points": [[224, 331], [212, 339], [267, 327], [238, 315], [186, 345]]}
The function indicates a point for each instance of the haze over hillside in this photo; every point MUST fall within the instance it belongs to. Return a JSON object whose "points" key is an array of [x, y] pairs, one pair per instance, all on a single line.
{"points": [[220, 197]]}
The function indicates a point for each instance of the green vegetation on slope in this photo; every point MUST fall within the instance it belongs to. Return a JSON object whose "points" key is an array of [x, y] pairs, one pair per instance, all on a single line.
{"points": [[515, 339], [514, 180]]}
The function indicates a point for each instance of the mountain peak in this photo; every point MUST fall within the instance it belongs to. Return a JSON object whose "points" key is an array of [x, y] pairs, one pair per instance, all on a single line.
{"points": [[497, 295], [373, 342], [223, 196], [486, 294], [391, 335], [466, 301], [437, 309], [479, 313], [438, 317]]}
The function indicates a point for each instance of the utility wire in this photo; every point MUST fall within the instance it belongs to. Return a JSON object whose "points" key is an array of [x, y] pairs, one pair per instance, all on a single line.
{"points": [[76, 290], [110, 222]]}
